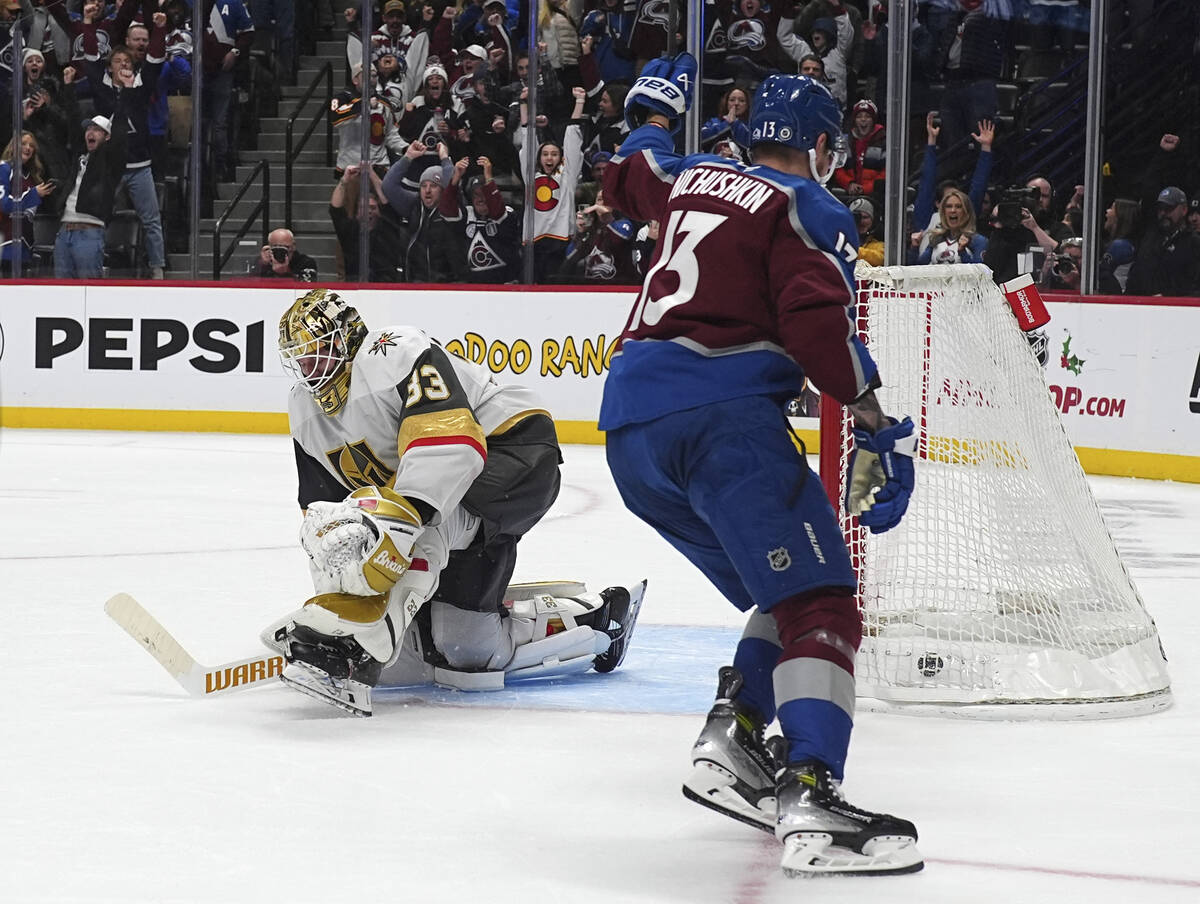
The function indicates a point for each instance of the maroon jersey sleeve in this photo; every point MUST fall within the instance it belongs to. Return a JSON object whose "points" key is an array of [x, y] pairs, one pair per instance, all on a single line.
{"points": [[812, 297], [640, 183]]}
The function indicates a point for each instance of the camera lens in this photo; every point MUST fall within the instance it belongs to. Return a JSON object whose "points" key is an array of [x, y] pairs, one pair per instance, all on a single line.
{"points": [[279, 253]]}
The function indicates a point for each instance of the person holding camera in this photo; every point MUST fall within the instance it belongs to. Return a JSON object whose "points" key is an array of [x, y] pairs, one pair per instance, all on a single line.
{"points": [[50, 113], [1061, 271], [279, 259], [1015, 230]]}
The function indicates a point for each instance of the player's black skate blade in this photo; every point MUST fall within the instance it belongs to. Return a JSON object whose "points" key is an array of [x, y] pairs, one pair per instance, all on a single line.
{"points": [[347, 695], [623, 609]]}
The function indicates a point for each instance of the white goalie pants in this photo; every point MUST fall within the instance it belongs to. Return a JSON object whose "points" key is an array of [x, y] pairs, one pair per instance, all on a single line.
{"points": [[468, 640]]}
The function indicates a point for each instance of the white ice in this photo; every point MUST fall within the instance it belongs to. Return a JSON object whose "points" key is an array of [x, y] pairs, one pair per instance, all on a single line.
{"points": [[116, 787]]}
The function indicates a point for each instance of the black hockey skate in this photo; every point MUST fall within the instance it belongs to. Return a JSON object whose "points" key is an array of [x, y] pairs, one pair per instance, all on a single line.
{"points": [[623, 607], [335, 670], [824, 835], [733, 768]]}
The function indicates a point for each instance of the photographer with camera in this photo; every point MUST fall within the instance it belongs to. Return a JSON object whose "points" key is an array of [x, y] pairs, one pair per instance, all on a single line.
{"points": [[1061, 271], [279, 259], [1015, 230]]}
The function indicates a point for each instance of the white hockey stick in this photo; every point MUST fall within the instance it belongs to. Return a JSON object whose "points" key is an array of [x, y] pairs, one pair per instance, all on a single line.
{"points": [[198, 680]]}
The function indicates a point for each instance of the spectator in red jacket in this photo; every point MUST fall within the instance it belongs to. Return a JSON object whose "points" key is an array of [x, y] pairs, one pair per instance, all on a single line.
{"points": [[865, 164]]}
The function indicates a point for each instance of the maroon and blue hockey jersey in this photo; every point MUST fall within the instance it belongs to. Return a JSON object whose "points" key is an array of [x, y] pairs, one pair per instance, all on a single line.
{"points": [[751, 287]]}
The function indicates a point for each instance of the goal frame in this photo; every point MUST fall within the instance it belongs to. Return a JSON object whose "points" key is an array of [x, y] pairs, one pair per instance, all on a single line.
{"points": [[835, 443]]}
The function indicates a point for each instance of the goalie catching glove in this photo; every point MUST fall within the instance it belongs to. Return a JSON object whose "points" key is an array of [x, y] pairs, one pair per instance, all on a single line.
{"points": [[880, 475], [665, 86], [362, 545]]}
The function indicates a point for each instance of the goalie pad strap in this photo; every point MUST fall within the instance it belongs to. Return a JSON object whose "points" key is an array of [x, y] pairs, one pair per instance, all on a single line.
{"points": [[362, 609]]}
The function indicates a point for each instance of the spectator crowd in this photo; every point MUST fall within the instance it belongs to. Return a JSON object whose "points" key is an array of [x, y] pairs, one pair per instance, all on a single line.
{"points": [[448, 123]]}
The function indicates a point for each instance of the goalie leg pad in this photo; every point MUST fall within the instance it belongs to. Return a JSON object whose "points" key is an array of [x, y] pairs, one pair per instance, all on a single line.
{"points": [[568, 652], [362, 618]]}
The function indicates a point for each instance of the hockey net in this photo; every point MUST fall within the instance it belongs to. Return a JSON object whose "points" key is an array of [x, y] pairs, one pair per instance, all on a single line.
{"points": [[1001, 593]]}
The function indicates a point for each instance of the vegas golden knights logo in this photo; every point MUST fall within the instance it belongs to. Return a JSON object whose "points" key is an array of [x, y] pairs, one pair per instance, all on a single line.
{"points": [[359, 466]]}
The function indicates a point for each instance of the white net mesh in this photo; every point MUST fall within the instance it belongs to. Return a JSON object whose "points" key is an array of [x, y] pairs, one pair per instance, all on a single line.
{"points": [[1002, 584]]}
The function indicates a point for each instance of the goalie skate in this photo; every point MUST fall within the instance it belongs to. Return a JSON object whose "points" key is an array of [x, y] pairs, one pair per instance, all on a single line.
{"points": [[345, 693], [335, 670], [822, 834], [623, 608], [733, 768]]}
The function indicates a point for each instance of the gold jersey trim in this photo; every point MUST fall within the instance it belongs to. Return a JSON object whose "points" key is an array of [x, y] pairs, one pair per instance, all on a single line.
{"points": [[517, 418], [423, 429]]}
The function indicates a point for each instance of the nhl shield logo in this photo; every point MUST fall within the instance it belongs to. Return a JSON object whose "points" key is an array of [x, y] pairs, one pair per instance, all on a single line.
{"points": [[779, 559]]}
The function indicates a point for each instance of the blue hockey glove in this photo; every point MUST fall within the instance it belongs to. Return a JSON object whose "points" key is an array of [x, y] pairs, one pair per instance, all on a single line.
{"points": [[665, 86], [880, 475]]}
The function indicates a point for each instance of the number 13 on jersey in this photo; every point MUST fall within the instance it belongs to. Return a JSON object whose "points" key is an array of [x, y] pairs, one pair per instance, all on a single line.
{"points": [[686, 229]]}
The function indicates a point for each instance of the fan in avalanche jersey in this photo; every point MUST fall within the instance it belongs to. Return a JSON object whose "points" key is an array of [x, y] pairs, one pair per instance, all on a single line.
{"points": [[752, 287], [418, 474]]}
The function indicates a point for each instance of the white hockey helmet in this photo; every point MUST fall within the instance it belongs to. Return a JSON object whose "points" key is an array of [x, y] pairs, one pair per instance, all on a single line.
{"points": [[318, 336]]}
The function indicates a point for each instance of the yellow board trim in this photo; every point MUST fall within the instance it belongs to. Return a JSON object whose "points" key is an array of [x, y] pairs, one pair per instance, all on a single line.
{"points": [[145, 419], [1113, 462]]}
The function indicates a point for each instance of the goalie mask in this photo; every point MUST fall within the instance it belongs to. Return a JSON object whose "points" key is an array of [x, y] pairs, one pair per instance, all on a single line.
{"points": [[318, 335]]}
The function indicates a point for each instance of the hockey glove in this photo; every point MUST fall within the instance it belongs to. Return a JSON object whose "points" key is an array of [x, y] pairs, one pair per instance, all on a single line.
{"points": [[362, 545], [666, 87], [880, 475]]}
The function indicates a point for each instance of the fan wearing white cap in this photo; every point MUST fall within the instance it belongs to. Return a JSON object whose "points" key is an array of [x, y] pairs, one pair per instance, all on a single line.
{"points": [[89, 193], [472, 60], [434, 116]]}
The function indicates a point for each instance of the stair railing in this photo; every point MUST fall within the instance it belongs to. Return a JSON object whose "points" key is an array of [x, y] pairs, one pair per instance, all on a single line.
{"points": [[262, 210], [292, 149]]}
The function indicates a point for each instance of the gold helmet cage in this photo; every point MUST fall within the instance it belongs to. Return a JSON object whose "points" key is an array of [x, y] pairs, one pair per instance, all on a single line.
{"points": [[318, 335]]}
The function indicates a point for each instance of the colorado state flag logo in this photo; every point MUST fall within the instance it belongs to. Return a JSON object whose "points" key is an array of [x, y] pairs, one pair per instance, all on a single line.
{"points": [[544, 188]]}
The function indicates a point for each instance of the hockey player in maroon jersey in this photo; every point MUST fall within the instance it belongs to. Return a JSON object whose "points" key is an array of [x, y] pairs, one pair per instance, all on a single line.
{"points": [[752, 288]]}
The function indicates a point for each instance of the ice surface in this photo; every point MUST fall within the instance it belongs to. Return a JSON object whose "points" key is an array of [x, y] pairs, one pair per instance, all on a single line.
{"points": [[115, 787]]}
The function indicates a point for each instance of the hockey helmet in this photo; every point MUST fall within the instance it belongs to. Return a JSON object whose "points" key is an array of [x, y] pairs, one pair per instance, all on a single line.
{"points": [[795, 110], [318, 337]]}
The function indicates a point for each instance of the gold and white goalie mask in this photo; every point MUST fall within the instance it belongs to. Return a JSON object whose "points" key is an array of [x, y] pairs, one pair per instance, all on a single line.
{"points": [[318, 336]]}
